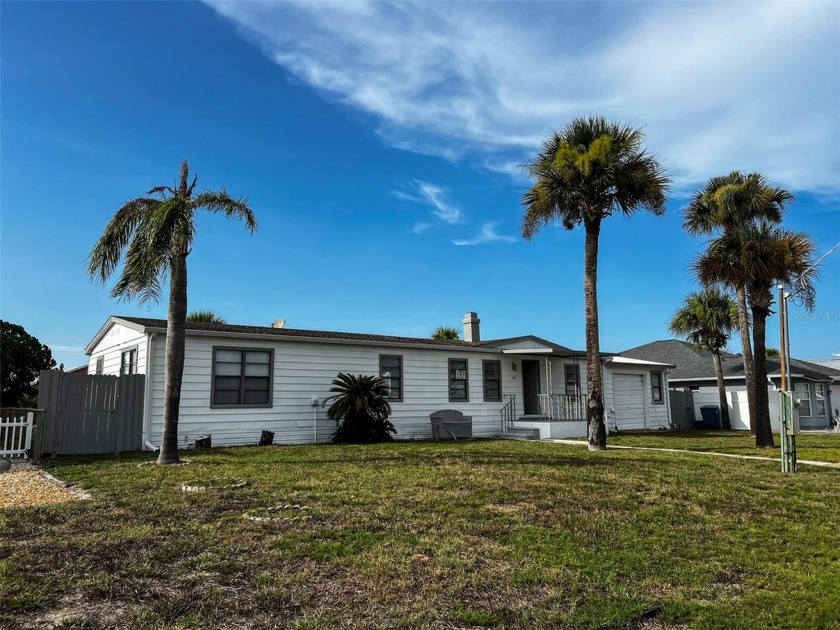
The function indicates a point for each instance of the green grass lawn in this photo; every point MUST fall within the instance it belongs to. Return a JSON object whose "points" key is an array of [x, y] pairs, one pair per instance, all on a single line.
{"points": [[823, 447], [430, 535]]}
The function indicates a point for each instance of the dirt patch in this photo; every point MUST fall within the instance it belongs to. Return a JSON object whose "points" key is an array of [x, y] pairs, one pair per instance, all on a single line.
{"points": [[25, 486]]}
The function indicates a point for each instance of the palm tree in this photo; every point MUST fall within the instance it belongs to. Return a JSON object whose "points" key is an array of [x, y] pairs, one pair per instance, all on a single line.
{"points": [[360, 409], [446, 333], [205, 317], [724, 204], [153, 236], [585, 173], [764, 254], [707, 319]]}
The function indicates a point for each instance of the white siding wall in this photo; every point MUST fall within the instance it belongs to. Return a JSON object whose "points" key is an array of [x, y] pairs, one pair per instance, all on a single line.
{"points": [[656, 415], [111, 346], [736, 396], [305, 370]]}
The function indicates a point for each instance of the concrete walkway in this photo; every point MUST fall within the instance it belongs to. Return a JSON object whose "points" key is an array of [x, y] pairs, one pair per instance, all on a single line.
{"points": [[807, 462]]}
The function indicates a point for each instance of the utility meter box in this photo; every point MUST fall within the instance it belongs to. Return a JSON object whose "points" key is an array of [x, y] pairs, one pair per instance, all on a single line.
{"points": [[794, 416]]}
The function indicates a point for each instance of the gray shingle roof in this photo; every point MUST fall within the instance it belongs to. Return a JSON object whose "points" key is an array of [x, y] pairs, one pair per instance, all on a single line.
{"points": [[694, 364], [293, 332]]}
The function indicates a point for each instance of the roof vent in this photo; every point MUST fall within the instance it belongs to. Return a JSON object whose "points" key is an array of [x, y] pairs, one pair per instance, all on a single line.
{"points": [[279, 323]]}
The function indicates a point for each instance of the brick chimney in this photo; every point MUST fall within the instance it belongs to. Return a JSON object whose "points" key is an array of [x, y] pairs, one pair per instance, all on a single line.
{"points": [[471, 332]]}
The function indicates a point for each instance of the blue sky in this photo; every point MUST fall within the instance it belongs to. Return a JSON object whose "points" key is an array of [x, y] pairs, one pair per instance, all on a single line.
{"points": [[380, 146]]}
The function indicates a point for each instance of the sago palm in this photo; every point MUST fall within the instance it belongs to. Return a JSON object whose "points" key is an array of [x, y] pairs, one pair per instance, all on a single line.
{"points": [[764, 254], [725, 204], [152, 236], [585, 173], [360, 408], [707, 319]]}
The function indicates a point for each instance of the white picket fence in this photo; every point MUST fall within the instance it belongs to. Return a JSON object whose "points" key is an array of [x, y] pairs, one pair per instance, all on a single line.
{"points": [[16, 432]]}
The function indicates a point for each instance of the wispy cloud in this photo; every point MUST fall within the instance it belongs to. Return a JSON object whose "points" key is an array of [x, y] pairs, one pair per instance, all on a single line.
{"points": [[487, 235], [432, 197], [487, 82]]}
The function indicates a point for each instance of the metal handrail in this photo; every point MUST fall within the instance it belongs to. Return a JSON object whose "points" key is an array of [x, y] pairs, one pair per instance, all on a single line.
{"points": [[508, 412]]}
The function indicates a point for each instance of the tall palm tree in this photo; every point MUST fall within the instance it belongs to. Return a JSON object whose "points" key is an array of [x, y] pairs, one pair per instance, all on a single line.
{"points": [[707, 319], [206, 316], [153, 236], [446, 333], [724, 204], [765, 255], [585, 173]]}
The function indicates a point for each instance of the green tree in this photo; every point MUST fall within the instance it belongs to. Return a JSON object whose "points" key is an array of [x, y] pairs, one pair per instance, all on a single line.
{"points": [[360, 409], [707, 320], [22, 357], [764, 254], [585, 173], [446, 333], [773, 352], [153, 236], [722, 206], [205, 317]]}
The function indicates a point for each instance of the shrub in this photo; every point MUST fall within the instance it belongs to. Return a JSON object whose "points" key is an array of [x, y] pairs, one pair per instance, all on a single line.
{"points": [[360, 408]]}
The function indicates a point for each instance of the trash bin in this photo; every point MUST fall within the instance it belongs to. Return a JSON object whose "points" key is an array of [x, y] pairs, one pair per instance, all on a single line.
{"points": [[711, 416]]}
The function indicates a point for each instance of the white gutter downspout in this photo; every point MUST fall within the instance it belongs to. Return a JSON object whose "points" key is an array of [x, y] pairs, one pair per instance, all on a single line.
{"points": [[147, 398]]}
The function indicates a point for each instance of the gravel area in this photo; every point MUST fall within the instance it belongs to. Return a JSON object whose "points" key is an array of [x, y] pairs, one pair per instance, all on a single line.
{"points": [[24, 486]]}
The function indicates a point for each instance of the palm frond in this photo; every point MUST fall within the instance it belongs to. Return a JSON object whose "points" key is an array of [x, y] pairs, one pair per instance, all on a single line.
{"points": [[106, 254], [233, 208]]}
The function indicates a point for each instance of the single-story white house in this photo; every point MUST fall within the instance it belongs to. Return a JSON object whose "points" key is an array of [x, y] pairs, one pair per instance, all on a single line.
{"points": [[240, 380], [811, 383]]}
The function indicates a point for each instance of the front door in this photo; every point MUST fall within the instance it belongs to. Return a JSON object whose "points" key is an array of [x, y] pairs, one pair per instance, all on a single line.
{"points": [[531, 387]]}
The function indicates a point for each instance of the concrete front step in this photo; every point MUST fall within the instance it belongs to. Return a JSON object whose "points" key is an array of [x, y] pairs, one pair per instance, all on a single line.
{"points": [[521, 433]]}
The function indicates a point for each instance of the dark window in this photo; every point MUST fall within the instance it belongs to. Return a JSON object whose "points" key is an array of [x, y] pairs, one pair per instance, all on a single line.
{"points": [[128, 365], [242, 377], [391, 371], [573, 380], [459, 389], [492, 380], [100, 365], [656, 386]]}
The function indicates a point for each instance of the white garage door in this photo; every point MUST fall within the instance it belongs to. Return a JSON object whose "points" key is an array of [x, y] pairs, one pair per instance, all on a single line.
{"points": [[629, 392]]}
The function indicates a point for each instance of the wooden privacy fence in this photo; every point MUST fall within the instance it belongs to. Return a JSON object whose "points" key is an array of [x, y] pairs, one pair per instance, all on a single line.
{"points": [[16, 426], [87, 414]]}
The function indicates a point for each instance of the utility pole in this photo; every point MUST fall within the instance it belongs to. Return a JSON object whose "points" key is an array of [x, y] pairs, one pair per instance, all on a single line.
{"points": [[790, 426]]}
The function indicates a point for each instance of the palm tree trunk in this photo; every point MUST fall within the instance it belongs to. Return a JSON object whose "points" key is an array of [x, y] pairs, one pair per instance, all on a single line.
{"points": [[746, 353], [763, 429], [595, 408], [726, 423], [174, 366]]}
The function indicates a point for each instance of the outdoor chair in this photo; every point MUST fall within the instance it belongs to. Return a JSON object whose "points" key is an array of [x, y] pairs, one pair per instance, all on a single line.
{"points": [[450, 423]]}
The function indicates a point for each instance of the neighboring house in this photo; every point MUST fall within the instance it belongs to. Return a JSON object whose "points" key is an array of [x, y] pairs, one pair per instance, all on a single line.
{"points": [[239, 380], [694, 371]]}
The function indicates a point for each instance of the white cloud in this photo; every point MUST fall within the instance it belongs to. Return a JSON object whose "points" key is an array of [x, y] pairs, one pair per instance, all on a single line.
{"points": [[433, 197], [718, 86], [442, 209], [488, 235]]}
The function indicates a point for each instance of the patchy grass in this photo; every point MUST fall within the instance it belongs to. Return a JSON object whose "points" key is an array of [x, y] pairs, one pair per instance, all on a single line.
{"points": [[429, 535], [822, 447]]}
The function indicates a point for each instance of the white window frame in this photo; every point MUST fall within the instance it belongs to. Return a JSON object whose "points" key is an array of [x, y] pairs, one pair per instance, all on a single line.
{"points": [[797, 389], [819, 394]]}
